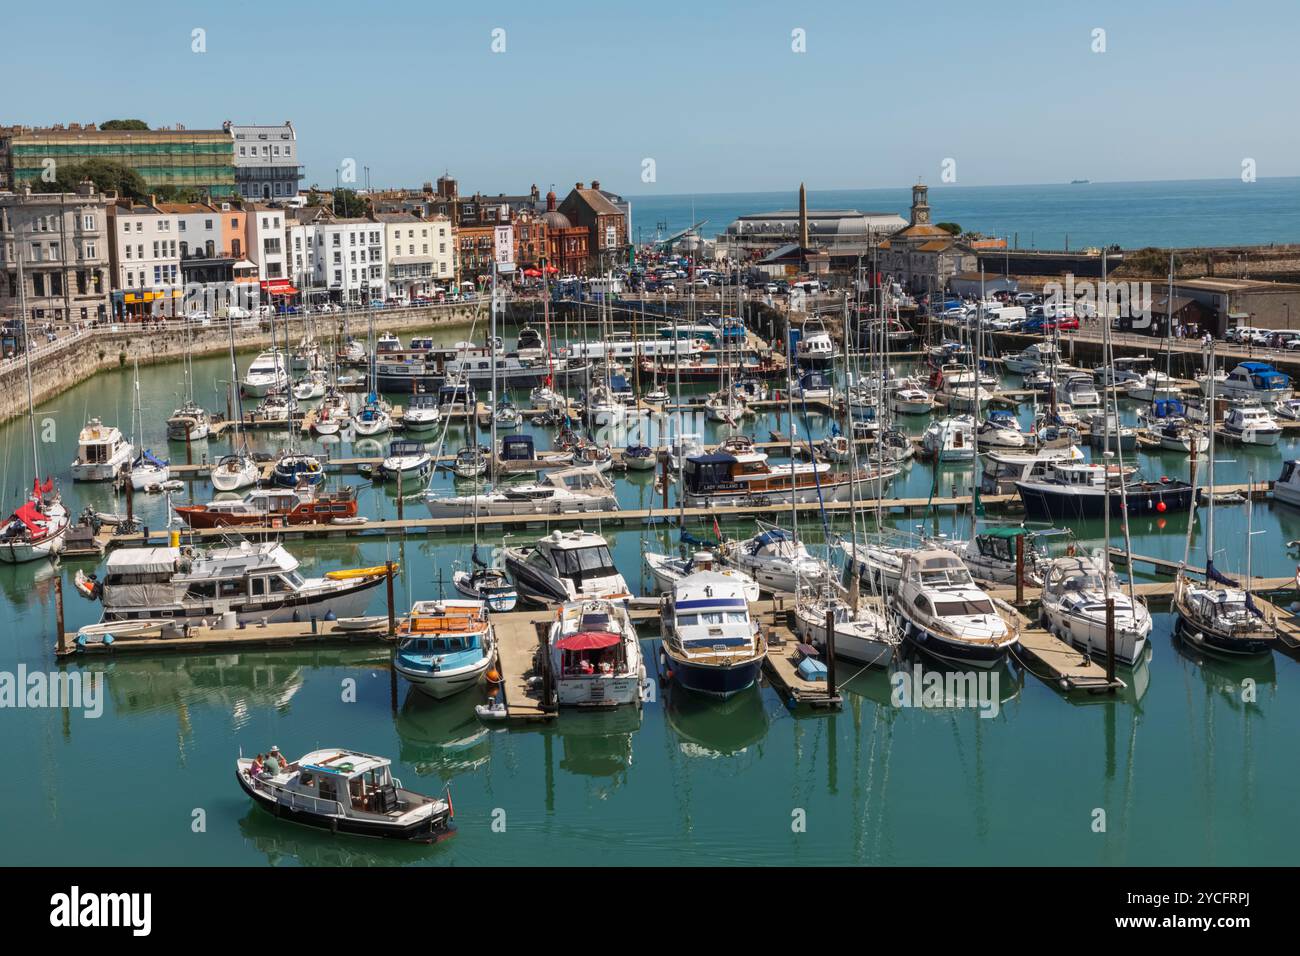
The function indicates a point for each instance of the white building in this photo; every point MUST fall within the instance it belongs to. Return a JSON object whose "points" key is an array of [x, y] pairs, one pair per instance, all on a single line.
{"points": [[342, 257], [409, 245], [266, 160], [266, 241], [144, 257]]}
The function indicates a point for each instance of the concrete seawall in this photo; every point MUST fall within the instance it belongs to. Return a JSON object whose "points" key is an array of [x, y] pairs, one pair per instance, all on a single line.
{"points": [[59, 365]]}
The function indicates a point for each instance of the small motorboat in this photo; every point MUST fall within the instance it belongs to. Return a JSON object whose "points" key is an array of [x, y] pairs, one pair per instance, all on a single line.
{"points": [[490, 585], [346, 791], [406, 459]]}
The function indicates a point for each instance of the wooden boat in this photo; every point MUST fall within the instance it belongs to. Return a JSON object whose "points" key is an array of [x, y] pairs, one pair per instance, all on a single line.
{"points": [[269, 505]]}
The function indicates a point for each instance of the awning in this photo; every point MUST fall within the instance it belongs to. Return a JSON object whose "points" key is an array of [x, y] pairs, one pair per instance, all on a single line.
{"points": [[279, 287], [588, 641]]}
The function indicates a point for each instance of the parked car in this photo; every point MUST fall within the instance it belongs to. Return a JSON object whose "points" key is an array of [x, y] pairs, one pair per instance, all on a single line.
{"points": [[1025, 298]]}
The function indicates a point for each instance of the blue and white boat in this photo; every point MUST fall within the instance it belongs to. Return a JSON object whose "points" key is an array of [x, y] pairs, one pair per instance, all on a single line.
{"points": [[1250, 380], [292, 470], [445, 647], [710, 643]]}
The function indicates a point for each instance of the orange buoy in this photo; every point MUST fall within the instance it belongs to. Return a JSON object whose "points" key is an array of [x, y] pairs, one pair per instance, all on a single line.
{"points": [[493, 676]]}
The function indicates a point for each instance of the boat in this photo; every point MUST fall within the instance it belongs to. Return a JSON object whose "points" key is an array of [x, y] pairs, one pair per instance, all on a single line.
{"points": [[1154, 386], [603, 408], [1036, 358], [588, 453], [776, 560], [862, 635], [950, 439], [37, 528], [456, 398], [1069, 491], [911, 399], [1124, 371], [1080, 392], [725, 406], [639, 457], [565, 566], [947, 616], [102, 452], [265, 374], [489, 585], [294, 469], [959, 388], [375, 418], [812, 386], [1251, 424], [190, 422], [815, 348], [711, 644], [306, 357], [332, 414], [254, 582], [445, 647], [680, 448], [1249, 380], [506, 414], [1289, 409], [149, 471], [572, 490], [312, 386], [1074, 600], [406, 460], [738, 474], [421, 413], [1000, 430], [666, 571], [346, 791], [1002, 469], [594, 655], [990, 555], [471, 462], [1107, 433], [274, 407], [1287, 487], [268, 506]]}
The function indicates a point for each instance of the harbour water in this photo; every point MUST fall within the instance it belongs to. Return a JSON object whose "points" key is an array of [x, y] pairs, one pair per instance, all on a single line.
{"points": [[1193, 764], [1050, 216]]}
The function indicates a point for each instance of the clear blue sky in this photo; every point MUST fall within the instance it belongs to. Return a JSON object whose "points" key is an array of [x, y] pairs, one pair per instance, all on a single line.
{"points": [[711, 91]]}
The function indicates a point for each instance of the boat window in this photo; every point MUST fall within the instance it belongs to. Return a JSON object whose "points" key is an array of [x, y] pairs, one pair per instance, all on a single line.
{"points": [[963, 608], [712, 617], [593, 562], [258, 586], [922, 604], [235, 588], [199, 590], [1287, 470]]}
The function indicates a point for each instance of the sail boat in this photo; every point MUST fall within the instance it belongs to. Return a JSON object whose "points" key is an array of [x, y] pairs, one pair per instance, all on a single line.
{"points": [[36, 529], [862, 634], [237, 470], [191, 421], [1219, 617], [146, 470], [293, 468]]}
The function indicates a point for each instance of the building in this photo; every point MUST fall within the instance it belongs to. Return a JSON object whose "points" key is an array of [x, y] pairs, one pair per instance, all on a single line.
{"points": [[266, 160], [201, 160], [342, 259], [566, 243], [922, 257], [475, 252], [530, 239], [839, 232], [1226, 303], [264, 234], [608, 244], [64, 243], [409, 244], [144, 259], [213, 243]]}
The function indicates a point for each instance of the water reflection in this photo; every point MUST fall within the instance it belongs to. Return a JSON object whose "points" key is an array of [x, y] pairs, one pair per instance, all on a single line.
{"points": [[284, 843], [442, 738], [710, 728]]}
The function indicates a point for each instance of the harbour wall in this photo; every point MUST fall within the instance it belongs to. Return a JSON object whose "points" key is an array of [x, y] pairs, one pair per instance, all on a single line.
{"points": [[70, 360]]}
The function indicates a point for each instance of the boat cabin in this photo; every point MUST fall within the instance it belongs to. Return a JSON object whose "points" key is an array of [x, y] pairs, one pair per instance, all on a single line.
{"points": [[1257, 377], [518, 448]]}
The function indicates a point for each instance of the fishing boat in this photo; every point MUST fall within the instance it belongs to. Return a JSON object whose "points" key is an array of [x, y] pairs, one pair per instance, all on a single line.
{"points": [[445, 647], [266, 506], [254, 582], [346, 791], [1251, 424], [37, 528], [594, 655], [1069, 491], [565, 566], [265, 374], [776, 560], [564, 491], [102, 452], [421, 413], [1257, 381], [710, 644], [946, 615], [950, 439], [666, 570], [1074, 601]]}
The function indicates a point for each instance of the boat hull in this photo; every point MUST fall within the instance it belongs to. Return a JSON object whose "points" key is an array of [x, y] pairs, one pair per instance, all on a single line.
{"points": [[952, 651], [341, 602], [715, 680], [1056, 506], [443, 684]]}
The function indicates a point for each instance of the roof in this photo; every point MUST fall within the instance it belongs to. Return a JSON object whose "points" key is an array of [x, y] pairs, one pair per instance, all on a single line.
{"points": [[934, 245], [143, 560], [920, 229]]}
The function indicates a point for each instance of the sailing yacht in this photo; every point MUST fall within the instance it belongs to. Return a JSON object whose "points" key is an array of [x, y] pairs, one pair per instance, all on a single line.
{"points": [[777, 560], [666, 570], [147, 471], [238, 469]]}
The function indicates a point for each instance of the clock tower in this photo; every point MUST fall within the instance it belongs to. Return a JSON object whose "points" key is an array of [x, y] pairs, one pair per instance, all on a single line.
{"points": [[920, 205]]}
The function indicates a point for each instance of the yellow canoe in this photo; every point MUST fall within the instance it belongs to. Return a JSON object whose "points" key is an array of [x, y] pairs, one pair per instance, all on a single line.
{"points": [[376, 571]]}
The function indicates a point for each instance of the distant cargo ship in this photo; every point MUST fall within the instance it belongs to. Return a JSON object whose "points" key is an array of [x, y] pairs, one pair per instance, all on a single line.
{"points": [[1076, 182]]}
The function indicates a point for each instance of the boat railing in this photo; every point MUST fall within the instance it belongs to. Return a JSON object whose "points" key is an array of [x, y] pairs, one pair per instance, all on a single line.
{"points": [[297, 801]]}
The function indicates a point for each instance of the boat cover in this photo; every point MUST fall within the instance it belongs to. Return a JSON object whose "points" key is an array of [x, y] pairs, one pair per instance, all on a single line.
{"points": [[588, 641]]}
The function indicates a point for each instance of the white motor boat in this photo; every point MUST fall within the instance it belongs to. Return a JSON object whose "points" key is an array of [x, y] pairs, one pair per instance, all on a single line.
{"points": [[945, 614], [266, 374], [1154, 386], [311, 387], [1000, 431], [1257, 381], [911, 400], [950, 439], [711, 644], [565, 566], [666, 570], [1036, 358], [1251, 425], [564, 491], [1287, 487], [102, 452], [595, 655], [407, 460], [421, 413], [1289, 409], [1074, 608], [1081, 393], [777, 561], [604, 408]]}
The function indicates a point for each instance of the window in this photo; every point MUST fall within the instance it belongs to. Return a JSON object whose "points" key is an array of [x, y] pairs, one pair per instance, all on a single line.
{"points": [[207, 224], [88, 221], [128, 250], [90, 251], [155, 249]]}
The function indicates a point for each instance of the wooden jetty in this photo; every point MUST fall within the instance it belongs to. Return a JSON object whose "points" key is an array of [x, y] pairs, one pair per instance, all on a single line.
{"points": [[781, 663]]}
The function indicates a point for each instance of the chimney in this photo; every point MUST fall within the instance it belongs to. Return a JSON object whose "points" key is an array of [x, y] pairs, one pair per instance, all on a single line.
{"points": [[595, 184], [579, 186]]}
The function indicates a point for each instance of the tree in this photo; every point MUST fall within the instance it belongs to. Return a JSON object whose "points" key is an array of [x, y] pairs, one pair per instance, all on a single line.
{"points": [[108, 175], [348, 204], [179, 194], [951, 228], [124, 124]]}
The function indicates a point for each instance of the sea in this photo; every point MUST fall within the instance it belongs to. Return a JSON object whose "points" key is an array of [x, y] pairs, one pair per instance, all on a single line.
{"points": [[1201, 212]]}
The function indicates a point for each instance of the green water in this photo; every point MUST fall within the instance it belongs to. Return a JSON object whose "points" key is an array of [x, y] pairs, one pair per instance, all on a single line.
{"points": [[1185, 770]]}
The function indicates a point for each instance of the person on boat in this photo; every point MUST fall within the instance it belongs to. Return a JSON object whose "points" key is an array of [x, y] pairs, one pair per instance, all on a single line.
{"points": [[279, 762], [257, 769]]}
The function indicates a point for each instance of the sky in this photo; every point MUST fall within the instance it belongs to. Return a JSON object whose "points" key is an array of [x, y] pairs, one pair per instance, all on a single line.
{"points": [[677, 98]]}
